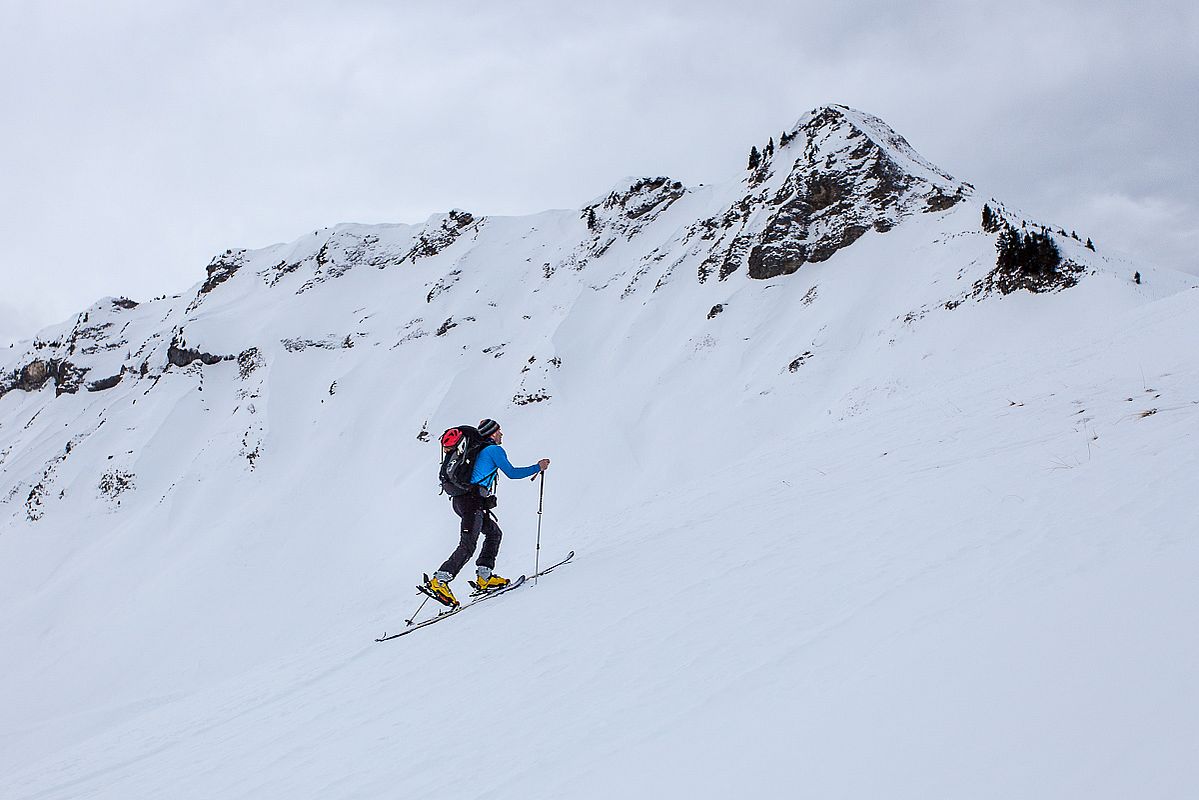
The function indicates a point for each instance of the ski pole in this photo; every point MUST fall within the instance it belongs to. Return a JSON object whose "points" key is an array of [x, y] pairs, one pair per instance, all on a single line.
{"points": [[540, 504], [414, 613]]}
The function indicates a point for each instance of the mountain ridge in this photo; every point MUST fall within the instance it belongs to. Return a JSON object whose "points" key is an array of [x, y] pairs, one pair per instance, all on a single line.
{"points": [[795, 210]]}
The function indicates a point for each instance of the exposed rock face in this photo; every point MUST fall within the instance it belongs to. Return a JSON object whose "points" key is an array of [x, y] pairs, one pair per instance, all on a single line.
{"points": [[339, 255], [623, 214], [343, 250], [452, 323], [847, 173], [115, 482], [106, 383], [33, 376], [181, 355], [249, 361], [438, 238], [68, 378], [645, 197], [222, 268]]}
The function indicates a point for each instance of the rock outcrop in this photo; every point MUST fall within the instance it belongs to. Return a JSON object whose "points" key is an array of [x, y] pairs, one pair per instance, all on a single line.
{"points": [[839, 174]]}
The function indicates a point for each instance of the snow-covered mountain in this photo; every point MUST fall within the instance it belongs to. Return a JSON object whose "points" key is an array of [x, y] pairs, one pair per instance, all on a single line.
{"points": [[879, 488]]}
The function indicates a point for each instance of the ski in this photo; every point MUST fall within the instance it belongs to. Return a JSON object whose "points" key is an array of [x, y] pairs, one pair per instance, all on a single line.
{"points": [[480, 592], [479, 598], [552, 567], [452, 611]]}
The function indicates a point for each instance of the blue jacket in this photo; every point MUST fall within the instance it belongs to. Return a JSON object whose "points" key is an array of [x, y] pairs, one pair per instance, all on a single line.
{"points": [[491, 460]]}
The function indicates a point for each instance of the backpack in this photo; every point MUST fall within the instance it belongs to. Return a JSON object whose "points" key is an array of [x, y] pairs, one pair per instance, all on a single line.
{"points": [[460, 448]]}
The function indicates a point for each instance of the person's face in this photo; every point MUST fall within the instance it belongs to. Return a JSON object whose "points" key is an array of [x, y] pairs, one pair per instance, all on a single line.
{"points": [[498, 436]]}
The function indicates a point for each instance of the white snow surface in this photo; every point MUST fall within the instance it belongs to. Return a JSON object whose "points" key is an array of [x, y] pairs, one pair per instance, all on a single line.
{"points": [[837, 540]]}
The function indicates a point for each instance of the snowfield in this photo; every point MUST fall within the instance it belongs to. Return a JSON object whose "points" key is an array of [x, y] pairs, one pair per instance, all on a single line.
{"points": [[851, 530]]}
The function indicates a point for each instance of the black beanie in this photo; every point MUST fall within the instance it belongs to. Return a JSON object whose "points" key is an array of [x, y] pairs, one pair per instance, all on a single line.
{"points": [[488, 427]]}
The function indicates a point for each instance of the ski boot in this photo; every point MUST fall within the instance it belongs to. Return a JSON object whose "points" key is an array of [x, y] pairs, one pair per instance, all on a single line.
{"points": [[439, 590], [488, 581]]}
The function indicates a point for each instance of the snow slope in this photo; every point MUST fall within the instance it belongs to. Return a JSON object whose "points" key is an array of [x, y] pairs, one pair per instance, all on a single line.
{"points": [[847, 523]]}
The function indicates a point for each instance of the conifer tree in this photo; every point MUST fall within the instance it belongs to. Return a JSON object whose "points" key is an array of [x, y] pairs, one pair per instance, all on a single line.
{"points": [[990, 220], [755, 158], [1032, 254]]}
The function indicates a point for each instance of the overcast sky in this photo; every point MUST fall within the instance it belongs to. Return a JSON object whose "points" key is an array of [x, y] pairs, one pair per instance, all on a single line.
{"points": [[141, 138]]}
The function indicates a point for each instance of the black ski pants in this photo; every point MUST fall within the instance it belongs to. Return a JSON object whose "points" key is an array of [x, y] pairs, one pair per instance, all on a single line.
{"points": [[476, 520]]}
